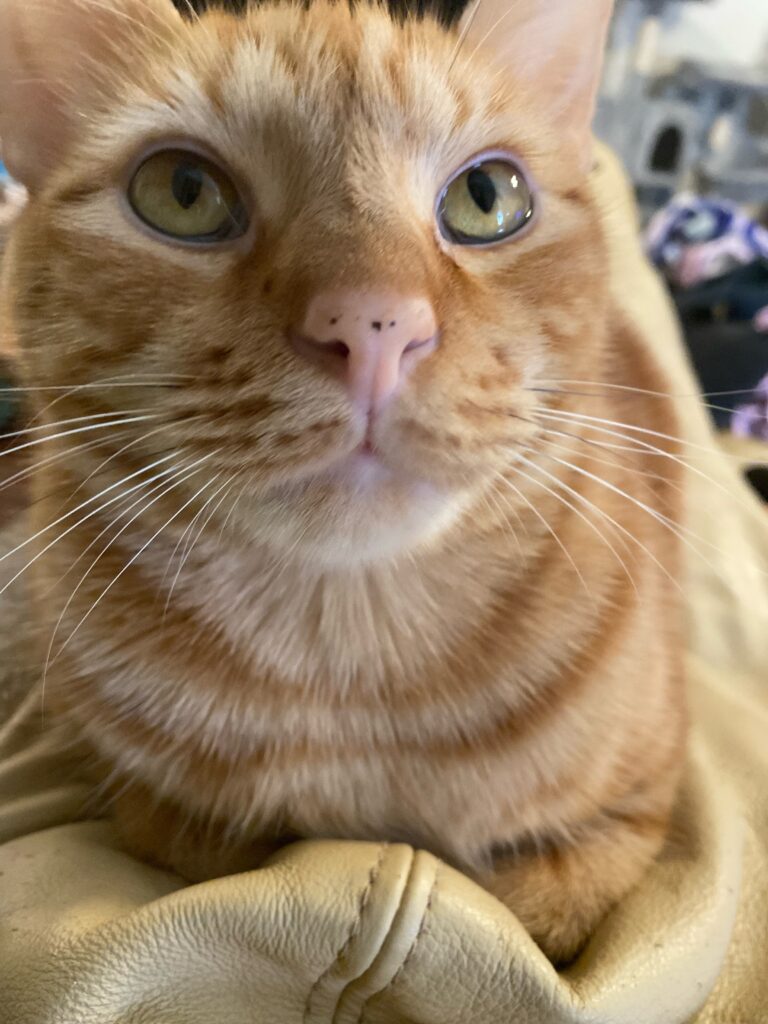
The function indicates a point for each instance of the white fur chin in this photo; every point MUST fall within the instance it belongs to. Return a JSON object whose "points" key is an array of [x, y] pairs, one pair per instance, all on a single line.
{"points": [[377, 514], [377, 538], [361, 471], [357, 512]]}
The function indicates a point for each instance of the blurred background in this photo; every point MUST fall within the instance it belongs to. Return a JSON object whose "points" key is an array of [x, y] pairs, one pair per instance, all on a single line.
{"points": [[684, 101], [685, 97]]}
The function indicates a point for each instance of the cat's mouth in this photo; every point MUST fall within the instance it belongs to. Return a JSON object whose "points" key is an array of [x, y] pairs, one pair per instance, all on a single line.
{"points": [[365, 465], [362, 469]]}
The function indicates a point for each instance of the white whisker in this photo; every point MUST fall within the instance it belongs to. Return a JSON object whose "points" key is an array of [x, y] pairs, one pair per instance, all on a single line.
{"points": [[25, 388], [463, 34], [163, 476], [63, 423], [669, 524], [585, 418], [498, 510], [549, 529], [124, 380], [79, 522], [121, 451], [753, 510], [128, 565], [570, 490], [28, 471], [645, 391], [76, 430], [609, 449], [630, 392], [179, 475], [190, 546], [491, 30]]}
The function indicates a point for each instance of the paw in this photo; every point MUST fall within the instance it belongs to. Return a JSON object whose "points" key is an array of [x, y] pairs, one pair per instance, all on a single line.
{"points": [[161, 833], [563, 892], [559, 918]]}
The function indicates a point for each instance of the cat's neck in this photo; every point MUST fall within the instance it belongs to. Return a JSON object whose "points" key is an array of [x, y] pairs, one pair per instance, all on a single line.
{"points": [[382, 619]]}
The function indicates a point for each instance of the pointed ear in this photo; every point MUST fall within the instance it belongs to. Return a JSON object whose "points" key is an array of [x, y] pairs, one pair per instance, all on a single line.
{"points": [[58, 60], [556, 47]]}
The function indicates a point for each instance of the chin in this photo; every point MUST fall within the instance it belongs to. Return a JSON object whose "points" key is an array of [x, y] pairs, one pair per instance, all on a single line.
{"points": [[357, 512]]}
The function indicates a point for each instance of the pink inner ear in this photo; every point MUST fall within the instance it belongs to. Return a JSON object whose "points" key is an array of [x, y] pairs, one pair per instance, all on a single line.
{"points": [[34, 124], [35, 132], [51, 54], [556, 46]]}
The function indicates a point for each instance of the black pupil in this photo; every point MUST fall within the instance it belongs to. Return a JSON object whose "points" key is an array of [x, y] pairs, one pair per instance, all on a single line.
{"points": [[187, 185], [482, 189]]}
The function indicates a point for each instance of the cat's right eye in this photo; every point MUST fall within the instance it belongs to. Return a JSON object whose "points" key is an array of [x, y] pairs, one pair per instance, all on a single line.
{"points": [[188, 198], [486, 202]]}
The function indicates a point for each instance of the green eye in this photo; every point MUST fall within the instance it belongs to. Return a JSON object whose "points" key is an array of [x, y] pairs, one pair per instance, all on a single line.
{"points": [[485, 203], [185, 196]]}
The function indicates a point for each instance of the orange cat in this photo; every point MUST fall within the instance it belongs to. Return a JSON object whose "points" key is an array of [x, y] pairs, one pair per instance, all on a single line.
{"points": [[332, 536]]}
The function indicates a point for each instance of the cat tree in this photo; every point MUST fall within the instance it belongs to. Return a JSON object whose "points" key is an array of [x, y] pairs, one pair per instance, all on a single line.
{"points": [[689, 125]]}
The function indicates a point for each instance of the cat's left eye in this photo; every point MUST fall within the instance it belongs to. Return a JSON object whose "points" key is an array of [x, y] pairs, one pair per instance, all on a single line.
{"points": [[186, 197], [485, 203]]}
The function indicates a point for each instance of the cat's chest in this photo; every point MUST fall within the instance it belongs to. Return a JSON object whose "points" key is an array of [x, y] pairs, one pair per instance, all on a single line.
{"points": [[224, 728], [238, 709], [314, 768]]}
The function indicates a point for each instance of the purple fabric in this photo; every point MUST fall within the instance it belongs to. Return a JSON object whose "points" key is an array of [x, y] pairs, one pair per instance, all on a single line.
{"points": [[697, 238], [751, 419]]}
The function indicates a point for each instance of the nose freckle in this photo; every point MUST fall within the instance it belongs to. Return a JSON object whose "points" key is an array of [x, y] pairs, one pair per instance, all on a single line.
{"points": [[372, 364]]}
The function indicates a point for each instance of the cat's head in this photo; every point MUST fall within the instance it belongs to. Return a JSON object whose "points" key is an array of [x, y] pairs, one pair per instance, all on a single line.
{"points": [[345, 244]]}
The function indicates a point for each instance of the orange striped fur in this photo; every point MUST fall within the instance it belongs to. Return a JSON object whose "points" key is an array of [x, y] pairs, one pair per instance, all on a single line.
{"points": [[467, 656]]}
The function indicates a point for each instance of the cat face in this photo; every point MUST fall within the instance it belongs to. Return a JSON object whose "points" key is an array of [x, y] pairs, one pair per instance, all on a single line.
{"points": [[345, 246]]}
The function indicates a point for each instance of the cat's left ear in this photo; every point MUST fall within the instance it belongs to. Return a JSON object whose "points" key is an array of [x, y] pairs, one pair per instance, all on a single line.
{"points": [[59, 59], [554, 46]]}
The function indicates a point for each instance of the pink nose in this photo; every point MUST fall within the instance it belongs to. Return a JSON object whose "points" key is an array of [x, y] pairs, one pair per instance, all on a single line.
{"points": [[370, 339]]}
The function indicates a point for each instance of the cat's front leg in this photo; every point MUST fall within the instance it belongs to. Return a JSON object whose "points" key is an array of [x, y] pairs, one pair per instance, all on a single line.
{"points": [[163, 833], [561, 892]]}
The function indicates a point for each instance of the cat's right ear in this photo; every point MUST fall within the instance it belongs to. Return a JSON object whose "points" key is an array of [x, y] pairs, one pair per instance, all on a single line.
{"points": [[555, 47], [58, 60]]}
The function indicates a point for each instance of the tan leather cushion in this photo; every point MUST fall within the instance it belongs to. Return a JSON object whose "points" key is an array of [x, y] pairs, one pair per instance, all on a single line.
{"points": [[364, 934]]}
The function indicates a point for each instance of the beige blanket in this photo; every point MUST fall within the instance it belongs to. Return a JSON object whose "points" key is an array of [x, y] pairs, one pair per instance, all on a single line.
{"points": [[364, 934]]}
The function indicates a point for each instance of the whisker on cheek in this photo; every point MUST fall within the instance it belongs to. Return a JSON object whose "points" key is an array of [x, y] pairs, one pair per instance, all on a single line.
{"points": [[498, 511], [631, 392], [138, 554], [77, 430], [107, 382], [632, 428], [29, 471], [755, 511], [614, 462], [550, 530], [127, 447], [173, 473], [584, 501], [25, 431], [144, 492], [64, 391], [684, 535], [79, 522], [187, 537]]}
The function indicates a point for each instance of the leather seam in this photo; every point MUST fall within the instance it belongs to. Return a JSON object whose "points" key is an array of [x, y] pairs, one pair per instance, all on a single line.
{"points": [[357, 925], [411, 949]]}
